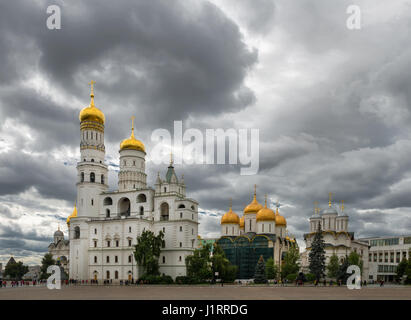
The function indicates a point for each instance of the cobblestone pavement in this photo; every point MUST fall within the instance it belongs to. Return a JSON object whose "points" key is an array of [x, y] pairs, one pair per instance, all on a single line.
{"points": [[228, 292]]}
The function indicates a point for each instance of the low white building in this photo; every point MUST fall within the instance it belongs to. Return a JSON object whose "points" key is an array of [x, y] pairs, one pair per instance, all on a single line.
{"points": [[385, 254], [105, 224]]}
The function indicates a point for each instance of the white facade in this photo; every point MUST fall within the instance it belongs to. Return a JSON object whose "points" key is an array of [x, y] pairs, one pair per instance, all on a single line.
{"points": [[103, 233], [385, 254], [338, 240]]}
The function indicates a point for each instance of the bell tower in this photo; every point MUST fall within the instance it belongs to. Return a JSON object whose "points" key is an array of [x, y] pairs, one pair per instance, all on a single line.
{"points": [[92, 172]]}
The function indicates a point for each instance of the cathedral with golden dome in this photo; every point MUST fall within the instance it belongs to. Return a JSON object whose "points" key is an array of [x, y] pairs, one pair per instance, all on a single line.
{"points": [[259, 232], [104, 224]]}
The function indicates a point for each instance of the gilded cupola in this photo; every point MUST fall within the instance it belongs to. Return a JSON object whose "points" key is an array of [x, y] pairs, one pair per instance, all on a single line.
{"points": [[254, 206], [92, 113], [242, 223], [265, 214], [230, 217], [73, 214], [280, 220], [132, 143]]}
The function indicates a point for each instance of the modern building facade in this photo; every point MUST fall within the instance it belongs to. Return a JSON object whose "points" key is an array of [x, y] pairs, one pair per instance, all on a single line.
{"points": [[105, 224], [385, 254]]}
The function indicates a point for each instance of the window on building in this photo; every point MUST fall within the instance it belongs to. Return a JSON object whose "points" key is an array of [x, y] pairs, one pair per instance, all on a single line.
{"points": [[129, 229], [164, 259], [129, 242], [95, 259], [92, 177], [108, 275], [141, 211], [375, 257], [108, 243], [392, 257], [181, 215], [77, 232], [115, 259], [116, 274], [95, 231], [107, 213], [180, 258], [165, 189], [129, 259], [164, 230], [181, 228], [386, 257], [102, 179], [95, 244], [181, 244], [263, 227], [108, 201], [192, 216], [108, 259], [192, 231], [117, 243], [370, 257], [163, 244], [134, 162], [164, 209], [82, 177]]}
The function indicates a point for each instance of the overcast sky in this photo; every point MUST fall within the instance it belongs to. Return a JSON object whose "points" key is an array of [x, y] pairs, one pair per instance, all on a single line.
{"points": [[332, 105]]}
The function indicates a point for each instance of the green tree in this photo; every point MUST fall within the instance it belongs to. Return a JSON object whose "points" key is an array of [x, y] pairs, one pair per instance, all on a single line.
{"points": [[317, 255], [355, 259], [259, 275], [199, 263], [219, 263], [402, 268], [147, 251], [45, 263], [333, 267], [290, 262], [271, 269], [15, 270], [342, 271]]}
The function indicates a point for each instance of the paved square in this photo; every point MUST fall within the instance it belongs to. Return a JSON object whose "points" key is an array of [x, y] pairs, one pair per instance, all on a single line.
{"points": [[230, 292]]}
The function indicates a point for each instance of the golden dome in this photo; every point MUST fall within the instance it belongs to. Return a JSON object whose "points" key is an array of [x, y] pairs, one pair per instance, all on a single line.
{"points": [[254, 206], [280, 220], [92, 113], [230, 217], [242, 222], [73, 214], [265, 214], [132, 143]]}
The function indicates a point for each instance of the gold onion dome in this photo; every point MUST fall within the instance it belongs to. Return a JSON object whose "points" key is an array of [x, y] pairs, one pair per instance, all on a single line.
{"points": [[280, 220], [92, 113], [73, 214], [132, 143], [242, 222], [230, 217], [265, 214], [254, 206]]}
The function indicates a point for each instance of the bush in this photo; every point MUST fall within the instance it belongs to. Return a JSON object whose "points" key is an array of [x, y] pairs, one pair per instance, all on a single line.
{"points": [[188, 280], [291, 277], [310, 277], [151, 279]]}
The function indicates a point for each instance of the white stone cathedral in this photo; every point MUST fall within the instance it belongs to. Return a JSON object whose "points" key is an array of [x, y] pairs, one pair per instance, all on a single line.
{"points": [[104, 225]]}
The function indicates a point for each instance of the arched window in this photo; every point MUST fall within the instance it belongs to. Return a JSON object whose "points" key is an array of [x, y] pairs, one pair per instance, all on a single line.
{"points": [[95, 259], [164, 209], [92, 160], [92, 177], [164, 259], [165, 189], [181, 206], [82, 177], [102, 179], [124, 207], [107, 213], [77, 232], [108, 201], [92, 202], [108, 275], [141, 198], [192, 208], [179, 259], [141, 211], [108, 259]]}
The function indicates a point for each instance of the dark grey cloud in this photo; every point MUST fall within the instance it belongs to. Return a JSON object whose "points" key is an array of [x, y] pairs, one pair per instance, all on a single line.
{"points": [[332, 105]]}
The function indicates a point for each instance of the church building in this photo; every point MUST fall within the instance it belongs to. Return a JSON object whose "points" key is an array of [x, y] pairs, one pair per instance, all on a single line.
{"points": [[259, 232], [104, 225]]}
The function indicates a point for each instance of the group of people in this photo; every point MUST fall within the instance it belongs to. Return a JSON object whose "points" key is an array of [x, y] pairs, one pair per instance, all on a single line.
{"points": [[21, 283]]}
